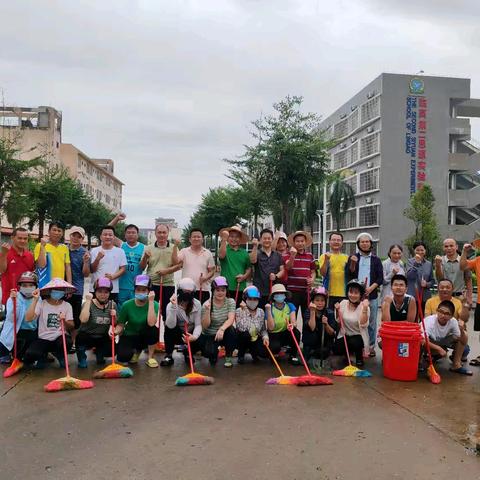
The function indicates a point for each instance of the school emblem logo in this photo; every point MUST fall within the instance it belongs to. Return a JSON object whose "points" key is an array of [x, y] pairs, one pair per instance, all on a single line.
{"points": [[417, 86]]}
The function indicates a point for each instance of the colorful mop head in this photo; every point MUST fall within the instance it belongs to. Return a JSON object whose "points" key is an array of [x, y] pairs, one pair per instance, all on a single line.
{"points": [[192, 378], [349, 371], [16, 364], [67, 382], [114, 370]]}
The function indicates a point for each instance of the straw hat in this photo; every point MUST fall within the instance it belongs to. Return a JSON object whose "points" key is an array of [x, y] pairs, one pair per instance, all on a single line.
{"points": [[308, 238], [236, 228], [58, 284], [279, 288]]}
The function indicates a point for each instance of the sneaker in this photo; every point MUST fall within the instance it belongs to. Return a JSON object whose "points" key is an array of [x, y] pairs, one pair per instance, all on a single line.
{"points": [[240, 359], [152, 363], [294, 361], [167, 362], [228, 362], [135, 357]]}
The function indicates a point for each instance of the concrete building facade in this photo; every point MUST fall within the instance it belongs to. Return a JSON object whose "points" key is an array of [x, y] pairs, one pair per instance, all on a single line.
{"points": [[397, 133]]}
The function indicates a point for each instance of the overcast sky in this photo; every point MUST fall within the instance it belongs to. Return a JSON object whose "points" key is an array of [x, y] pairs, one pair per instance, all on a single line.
{"points": [[168, 88]]}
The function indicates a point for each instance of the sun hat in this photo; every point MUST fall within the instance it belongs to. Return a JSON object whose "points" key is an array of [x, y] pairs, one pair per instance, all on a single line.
{"points": [[58, 284], [186, 284], [76, 229], [279, 288], [103, 282], [236, 228], [308, 238]]}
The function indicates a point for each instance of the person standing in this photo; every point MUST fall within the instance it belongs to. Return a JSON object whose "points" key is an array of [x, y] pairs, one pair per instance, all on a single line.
{"points": [[15, 259], [108, 261], [234, 261], [448, 266], [420, 274], [368, 268], [301, 269], [268, 265], [332, 269], [52, 257], [392, 266], [280, 245], [197, 263], [158, 260], [80, 265]]}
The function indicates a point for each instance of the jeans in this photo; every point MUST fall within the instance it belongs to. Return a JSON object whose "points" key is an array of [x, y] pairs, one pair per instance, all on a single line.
{"points": [[372, 322], [174, 336], [129, 344]]}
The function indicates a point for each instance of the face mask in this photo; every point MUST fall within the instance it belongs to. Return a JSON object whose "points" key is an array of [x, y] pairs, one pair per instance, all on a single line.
{"points": [[141, 296], [57, 294], [27, 292], [185, 296], [252, 304], [280, 297]]}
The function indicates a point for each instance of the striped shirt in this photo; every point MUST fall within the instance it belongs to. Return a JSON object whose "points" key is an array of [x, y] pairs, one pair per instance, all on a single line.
{"points": [[254, 323], [302, 268], [218, 315]]}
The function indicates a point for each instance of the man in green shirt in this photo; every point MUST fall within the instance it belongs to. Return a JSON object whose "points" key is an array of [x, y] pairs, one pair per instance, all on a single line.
{"points": [[234, 261]]}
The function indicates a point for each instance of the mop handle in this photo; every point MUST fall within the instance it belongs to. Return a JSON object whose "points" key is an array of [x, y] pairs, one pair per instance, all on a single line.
{"points": [[65, 355], [274, 360], [14, 300], [200, 294], [340, 317], [113, 315], [425, 334], [160, 307], [187, 339], [290, 327], [270, 287], [236, 292]]}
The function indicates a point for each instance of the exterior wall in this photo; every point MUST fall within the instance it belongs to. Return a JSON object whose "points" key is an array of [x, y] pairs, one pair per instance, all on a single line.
{"points": [[100, 184]]}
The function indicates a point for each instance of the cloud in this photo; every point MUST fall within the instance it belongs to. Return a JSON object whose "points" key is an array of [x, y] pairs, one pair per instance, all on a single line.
{"points": [[168, 89]]}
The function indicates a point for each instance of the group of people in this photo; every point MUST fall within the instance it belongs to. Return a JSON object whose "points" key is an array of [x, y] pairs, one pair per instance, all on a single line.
{"points": [[250, 305]]}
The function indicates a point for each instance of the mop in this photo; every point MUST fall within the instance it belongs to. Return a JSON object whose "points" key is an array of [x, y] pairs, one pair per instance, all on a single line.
{"points": [[114, 370], [432, 374], [350, 371], [67, 382], [282, 379], [160, 346], [16, 364], [192, 378]]}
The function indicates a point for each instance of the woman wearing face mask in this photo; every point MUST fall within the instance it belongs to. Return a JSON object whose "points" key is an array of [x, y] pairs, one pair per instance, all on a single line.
{"points": [[393, 265], [50, 310], [95, 321], [252, 334], [280, 314], [355, 313], [218, 315], [26, 331], [420, 273], [136, 324], [183, 308]]}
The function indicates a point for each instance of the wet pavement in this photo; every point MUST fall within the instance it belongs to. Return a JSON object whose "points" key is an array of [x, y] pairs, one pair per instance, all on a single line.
{"points": [[240, 428]]}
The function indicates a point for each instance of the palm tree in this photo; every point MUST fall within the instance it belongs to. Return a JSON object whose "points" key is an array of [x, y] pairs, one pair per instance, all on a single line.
{"points": [[342, 197]]}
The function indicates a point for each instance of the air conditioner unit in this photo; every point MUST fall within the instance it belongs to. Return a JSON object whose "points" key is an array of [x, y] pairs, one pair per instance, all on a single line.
{"points": [[369, 200], [370, 129], [370, 94], [343, 145], [353, 139], [342, 116], [353, 108], [369, 164]]}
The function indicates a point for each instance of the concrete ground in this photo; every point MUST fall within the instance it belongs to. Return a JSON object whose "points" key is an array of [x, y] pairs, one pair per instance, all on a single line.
{"points": [[240, 428]]}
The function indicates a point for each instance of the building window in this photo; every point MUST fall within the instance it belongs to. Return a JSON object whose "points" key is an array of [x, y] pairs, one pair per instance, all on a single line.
{"points": [[370, 145], [328, 222], [349, 220], [352, 181], [353, 122], [340, 129], [371, 110], [369, 180], [368, 216]]}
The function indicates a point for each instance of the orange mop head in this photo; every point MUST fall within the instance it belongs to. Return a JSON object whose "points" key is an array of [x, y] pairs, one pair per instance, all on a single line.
{"points": [[14, 368]]}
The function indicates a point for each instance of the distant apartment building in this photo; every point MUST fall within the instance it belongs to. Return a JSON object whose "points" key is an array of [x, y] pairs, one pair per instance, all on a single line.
{"points": [[169, 222], [94, 178], [397, 133]]}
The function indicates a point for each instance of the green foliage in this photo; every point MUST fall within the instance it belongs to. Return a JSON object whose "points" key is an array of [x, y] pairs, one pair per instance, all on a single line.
{"points": [[342, 198], [421, 213]]}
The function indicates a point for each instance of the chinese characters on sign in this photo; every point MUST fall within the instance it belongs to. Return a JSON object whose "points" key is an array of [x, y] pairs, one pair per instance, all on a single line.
{"points": [[416, 140]]}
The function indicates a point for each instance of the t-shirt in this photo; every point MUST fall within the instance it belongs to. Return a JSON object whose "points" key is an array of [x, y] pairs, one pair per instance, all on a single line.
{"points": [[236, 262], [475, 265], [265, 265], [196, 263], [433, 303], [16, 265], [57, 257], [218, 315], [114, 259], [134, 256], [336, 273], [438, 333], [351, 321], [400, 314], [99, 321], [49, 327], [177, 316], [134, 317], [161, 257], [76, 260], [281, 316], [302, 268], [451, 270]]}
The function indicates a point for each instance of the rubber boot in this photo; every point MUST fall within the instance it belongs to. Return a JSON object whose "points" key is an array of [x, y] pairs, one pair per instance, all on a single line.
{"points": [[81, 357]]}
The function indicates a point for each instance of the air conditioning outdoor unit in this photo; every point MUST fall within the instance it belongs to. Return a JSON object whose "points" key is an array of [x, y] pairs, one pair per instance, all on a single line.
{"points": [[353, 139], [369, 200], [343, 115], [370, 129], [370, 94], [369, 164]]}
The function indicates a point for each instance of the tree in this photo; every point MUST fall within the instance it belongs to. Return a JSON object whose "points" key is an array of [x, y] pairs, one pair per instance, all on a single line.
{"points": [[15, 179], [290, 154], [92, 215], [342, 198], [421, 213]]}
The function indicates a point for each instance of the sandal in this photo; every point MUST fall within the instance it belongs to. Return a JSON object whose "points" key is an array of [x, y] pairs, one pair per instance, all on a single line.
{"points": [[475, 362], [461, 371], [152, 363]]}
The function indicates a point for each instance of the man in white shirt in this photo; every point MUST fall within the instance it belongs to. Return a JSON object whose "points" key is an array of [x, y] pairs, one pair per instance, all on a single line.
{"points": [[107, 260]]}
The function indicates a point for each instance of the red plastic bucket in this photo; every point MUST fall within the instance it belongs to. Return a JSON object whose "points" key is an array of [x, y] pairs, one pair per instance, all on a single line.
{"points": [[400, 350]]}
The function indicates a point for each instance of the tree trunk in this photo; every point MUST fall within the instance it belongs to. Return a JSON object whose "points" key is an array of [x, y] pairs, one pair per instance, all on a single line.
{"points": [[41, 221], [286, 218]]}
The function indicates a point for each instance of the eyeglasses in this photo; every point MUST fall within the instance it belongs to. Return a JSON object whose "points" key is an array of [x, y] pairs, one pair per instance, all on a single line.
{"points": [[444, 312]]}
